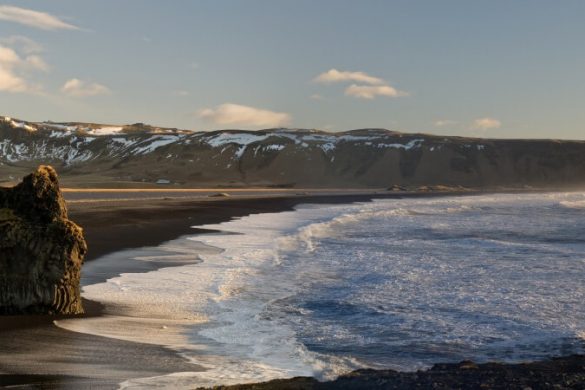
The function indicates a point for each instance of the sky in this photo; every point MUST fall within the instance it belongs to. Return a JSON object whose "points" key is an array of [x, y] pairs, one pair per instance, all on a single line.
{"points": [[497, 68]]}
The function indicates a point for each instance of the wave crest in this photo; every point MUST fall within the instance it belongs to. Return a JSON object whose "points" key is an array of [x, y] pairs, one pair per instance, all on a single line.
{"points": [[576, 204]]}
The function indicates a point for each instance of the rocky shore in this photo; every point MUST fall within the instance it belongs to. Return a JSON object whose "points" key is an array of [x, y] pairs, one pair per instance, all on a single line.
{"points": [[560, 373]]}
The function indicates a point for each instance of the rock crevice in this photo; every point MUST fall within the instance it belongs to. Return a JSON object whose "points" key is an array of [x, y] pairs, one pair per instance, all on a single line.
{"points": [[41, 250]]}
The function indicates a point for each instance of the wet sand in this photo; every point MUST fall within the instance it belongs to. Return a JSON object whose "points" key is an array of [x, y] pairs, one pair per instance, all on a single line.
{"points": [[34, 351], [116, 222]]}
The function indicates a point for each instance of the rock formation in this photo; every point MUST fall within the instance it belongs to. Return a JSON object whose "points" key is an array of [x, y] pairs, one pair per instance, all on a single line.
{"points": [[41, 250]]}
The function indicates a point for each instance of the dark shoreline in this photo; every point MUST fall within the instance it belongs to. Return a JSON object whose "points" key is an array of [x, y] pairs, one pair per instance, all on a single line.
{"points": [[111, 226], [556, 373], [152, 221], [116, 225]]}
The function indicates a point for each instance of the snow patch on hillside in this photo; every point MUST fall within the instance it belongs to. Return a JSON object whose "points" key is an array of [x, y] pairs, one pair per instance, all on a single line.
{"points": [[327, 142], [59, 126], [59, 134], [155, 142], [108, 130], [18, 125], [415, 143], [245, 139], [122, 141], [273, 147], [62, 142], [12, 152]]}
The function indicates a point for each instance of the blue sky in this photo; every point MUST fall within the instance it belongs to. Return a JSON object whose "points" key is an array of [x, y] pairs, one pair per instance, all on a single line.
{"points": [[498, 68]]}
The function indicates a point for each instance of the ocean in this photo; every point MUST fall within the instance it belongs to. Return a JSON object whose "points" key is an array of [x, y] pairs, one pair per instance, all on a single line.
{"points": [[325, 289]]}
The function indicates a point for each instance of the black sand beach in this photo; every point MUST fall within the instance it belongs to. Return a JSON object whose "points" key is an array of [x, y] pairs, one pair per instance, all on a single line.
{"points": [[150, 218], [33, 351]]}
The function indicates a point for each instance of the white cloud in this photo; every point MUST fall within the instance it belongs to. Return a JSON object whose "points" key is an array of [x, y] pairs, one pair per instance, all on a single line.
{"points": [[16, 65], [336, 76], [36, 62], [80, 88], [444, 122], [9, 82], [374, 86], [486, 123], [31, 18], [236, 114], [316, 96], [25, 44], [8, 56], [371, 91]]}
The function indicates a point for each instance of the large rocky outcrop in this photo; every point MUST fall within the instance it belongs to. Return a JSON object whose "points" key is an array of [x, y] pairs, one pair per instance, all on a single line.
{"points": [[41, 250]]}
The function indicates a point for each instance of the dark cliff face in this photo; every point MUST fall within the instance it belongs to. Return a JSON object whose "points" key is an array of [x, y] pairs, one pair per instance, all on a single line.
{"points": [[285, 158], [41, 250]]}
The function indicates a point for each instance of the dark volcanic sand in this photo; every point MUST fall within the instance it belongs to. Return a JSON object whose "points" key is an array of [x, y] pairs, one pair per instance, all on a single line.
{"points": [[34, 351], [117, 225]]}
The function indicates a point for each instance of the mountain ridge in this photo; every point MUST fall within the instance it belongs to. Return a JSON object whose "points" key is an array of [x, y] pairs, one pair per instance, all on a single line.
{"points": [[364, 158]]}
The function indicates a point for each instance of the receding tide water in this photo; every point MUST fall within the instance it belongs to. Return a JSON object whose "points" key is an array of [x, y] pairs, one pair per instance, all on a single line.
{"points": [[393, 283]]}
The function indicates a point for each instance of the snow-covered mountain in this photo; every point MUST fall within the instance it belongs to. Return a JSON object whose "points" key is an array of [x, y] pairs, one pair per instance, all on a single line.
{"points": [[282, 157]]}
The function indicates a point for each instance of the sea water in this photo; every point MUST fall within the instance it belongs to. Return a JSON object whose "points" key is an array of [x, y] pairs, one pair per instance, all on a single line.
{"points": [[396, 283]]}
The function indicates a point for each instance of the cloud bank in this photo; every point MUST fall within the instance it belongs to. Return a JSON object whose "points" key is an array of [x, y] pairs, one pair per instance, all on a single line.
{"points": [[19, 58], [370, 92], [486, 123], [80, 88], [25, 44], [369, 87], [336, 76], [31, 18], [236, 114]]}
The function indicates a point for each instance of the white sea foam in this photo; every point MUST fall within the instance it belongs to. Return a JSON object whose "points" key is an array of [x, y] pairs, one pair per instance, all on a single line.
{"points": [[576, 204], [184, 296]]}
